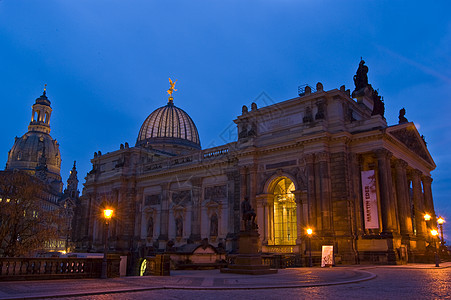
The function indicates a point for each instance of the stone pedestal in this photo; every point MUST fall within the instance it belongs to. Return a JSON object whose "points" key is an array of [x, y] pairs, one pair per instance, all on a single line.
{"points": [[249, 260]]}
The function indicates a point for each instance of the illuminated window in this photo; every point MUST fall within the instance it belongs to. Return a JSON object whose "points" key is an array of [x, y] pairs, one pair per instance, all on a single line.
{"points": [[285, 229]]}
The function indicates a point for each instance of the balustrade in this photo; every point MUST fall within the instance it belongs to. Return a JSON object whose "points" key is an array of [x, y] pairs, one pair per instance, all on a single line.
{"points": [[55, 268]]}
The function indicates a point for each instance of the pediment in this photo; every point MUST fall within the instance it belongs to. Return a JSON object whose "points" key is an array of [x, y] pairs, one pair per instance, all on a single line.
{"points": [[409, 136]]}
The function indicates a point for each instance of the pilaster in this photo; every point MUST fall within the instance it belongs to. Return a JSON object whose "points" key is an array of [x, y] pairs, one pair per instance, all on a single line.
{"points": [[164, 214], [324, 180], [311, 217], [196, 191], [264, 222]]}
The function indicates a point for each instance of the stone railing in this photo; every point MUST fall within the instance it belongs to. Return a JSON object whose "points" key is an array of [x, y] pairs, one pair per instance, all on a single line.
{"points": [[215, 152], [55, 268]]}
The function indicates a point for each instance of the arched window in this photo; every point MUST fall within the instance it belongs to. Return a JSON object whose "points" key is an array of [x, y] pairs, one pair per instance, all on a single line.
{"points": [[285, 228]]}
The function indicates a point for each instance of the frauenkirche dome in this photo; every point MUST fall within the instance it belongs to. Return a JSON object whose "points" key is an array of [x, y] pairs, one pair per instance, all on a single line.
{"points": [[36, 151]]}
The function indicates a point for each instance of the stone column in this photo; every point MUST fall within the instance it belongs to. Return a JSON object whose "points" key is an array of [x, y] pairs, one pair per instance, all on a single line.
{"points": [[243, 180], [418, 203], [427, 190], [402, 194], [263, 220], [114, 223], [324, 179], [356, 163], [234, 203], [317, 208], [253, 186], [243, 190], [89, 229], [131, 213], [138, 214], [164, 214], [388, 210], [311, 217], [121, 225], [196, 209], [300, 222]]}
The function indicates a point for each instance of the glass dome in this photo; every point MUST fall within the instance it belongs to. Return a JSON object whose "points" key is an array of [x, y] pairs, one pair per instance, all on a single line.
{"points": [[169, 125]]}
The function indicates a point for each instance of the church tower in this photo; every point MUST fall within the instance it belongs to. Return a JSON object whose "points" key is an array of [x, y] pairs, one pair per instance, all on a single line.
{"points": [[72, 184], [36, 152]]}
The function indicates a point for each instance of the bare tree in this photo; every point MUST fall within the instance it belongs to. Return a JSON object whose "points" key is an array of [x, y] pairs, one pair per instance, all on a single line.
{"points": [[28, 219]]}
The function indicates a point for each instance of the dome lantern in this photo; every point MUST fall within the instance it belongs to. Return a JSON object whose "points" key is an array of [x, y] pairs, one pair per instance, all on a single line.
{"points": [[40, 114]]}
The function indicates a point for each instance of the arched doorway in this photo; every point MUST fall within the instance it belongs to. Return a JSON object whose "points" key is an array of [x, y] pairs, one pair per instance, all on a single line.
{"points": [[143, 267], [285, 219]]}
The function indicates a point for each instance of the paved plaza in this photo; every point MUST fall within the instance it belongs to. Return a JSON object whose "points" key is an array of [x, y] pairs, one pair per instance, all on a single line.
{"points": [[413, 281]]}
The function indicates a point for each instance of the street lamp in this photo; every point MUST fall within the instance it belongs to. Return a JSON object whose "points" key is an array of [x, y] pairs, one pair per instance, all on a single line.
{"points": [[434, 233], [309, 234], [107, 214], [440, 222]]}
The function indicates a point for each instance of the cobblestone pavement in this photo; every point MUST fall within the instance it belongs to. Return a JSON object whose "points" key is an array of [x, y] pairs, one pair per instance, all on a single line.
{"points": [[392, 282]]}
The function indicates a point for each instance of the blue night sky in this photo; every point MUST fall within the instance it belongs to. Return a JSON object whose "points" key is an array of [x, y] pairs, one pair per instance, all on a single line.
{"points": [[107, 65]]}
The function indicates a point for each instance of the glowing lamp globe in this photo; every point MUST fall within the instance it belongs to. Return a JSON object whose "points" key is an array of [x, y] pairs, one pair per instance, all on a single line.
{"points": [[107, 213]]}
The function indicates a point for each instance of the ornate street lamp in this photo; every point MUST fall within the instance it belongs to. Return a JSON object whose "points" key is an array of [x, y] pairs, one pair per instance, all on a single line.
{"points": [[107, 214], [309, 234], [434, 234], [440, 222]]}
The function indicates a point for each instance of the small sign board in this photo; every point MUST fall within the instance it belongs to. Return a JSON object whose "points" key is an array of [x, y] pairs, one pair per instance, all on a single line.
{"points": [[327, 256]]}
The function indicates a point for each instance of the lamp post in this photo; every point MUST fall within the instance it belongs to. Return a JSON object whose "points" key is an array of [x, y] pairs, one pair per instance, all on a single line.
{"points": [[434, 234], [107, 214], [309, 234], [440, 222]]}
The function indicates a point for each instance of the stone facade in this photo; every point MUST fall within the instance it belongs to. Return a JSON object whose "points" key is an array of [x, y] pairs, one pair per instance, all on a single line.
{"points": [[300, 163]]}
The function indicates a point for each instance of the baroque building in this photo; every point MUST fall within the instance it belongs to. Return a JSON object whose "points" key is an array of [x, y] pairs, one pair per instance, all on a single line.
{"points": [[327, 160], [38, 154]]}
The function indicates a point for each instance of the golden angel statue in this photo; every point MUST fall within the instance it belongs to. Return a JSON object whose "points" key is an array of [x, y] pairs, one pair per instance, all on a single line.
{"points": [[171, 89]]}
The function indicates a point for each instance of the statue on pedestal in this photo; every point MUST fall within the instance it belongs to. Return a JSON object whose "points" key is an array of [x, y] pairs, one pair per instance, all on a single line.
{"points": [[361, 77], [379, 106], [248, 215], [401, 117]]}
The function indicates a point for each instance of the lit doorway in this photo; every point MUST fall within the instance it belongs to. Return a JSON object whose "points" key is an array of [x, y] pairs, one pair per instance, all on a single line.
{"points": [[285, 225]]}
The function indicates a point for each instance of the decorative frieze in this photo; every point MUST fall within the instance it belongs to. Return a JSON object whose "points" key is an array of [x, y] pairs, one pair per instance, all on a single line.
{"points": [[181, 197], [216, 192], [281, 164]]}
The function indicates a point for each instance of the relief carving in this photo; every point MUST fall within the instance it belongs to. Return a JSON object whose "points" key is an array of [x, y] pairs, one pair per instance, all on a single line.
{"points": [[181, 197], [410, 139], [216, 192]]}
